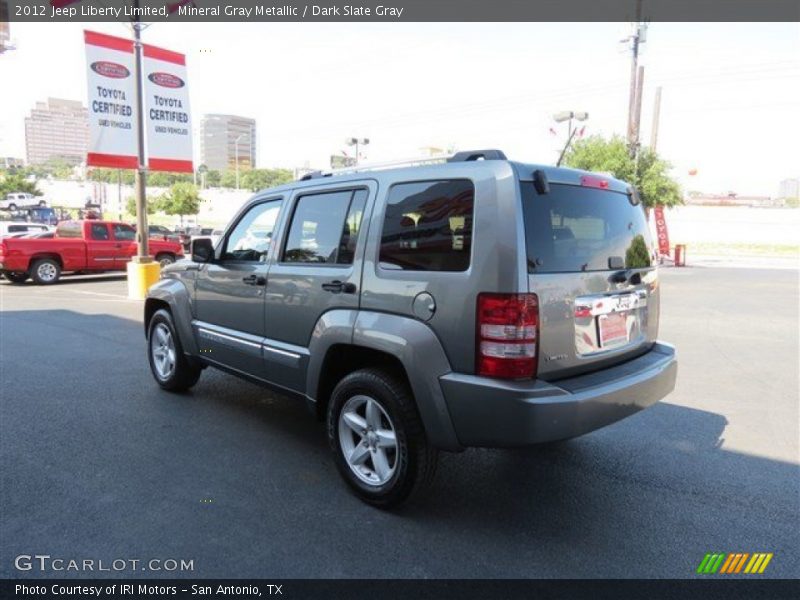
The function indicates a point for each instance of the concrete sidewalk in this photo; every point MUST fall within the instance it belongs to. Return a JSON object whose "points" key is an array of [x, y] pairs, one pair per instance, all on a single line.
{"points": [[740, 262]]}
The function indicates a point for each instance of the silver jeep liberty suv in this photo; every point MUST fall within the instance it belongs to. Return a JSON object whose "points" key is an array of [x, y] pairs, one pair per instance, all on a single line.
{"points": [[426, 306]]}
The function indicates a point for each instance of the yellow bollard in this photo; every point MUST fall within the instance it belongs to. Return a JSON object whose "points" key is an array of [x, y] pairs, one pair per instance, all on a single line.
{"points": [[140, 277]]}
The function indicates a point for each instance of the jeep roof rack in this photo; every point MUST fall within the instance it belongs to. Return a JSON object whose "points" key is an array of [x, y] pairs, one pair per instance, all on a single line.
{"points": [[463, 156]]}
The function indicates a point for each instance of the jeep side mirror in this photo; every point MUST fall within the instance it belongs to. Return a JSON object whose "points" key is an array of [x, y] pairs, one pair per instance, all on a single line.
{"points": [[202, 250]]}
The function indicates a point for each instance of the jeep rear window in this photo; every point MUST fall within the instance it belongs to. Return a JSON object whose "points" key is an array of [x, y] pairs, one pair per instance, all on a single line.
{"points": [[574, 228]]}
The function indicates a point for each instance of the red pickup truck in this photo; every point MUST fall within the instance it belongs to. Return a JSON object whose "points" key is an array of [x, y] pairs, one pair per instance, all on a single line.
{"points": [[85, 246]]}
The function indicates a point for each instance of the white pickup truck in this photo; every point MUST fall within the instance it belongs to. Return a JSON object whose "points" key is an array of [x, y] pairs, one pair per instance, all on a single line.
{"points": [[17, 199]]}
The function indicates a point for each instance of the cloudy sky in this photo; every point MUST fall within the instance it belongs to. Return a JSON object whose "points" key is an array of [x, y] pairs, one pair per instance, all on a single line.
{"points": [[730, 105]]}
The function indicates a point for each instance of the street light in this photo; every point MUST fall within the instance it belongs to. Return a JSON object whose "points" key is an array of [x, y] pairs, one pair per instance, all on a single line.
{"points": [[236, 155], [356, 142], [568, 115]]}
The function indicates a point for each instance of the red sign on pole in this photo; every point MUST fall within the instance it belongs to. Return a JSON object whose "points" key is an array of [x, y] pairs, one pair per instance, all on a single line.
{"points": [[661, 230]]}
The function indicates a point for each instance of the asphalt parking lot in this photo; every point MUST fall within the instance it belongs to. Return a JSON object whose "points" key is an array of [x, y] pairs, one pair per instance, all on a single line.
{"points": [[98, 463]]}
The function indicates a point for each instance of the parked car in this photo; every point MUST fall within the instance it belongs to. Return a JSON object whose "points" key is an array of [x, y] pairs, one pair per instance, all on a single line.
{"points": [[20, 227], [426, 308], [184, 237], [42, 235], [84, 246], [36, 214], [15, 200], [160, 232], [206, 232]]}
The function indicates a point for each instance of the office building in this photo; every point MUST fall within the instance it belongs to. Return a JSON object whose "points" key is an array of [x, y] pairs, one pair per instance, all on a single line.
{"points": [[789, 188], [57, 130], [224, 139]]}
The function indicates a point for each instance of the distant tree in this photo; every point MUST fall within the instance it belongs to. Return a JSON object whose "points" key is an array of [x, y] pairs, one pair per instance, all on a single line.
{"points": [[16, 182], [258, 179], [130, 205], [58, 168], [650, 174], [228, 179], [165, 179], [181, 199], [213, 178], [111, 175]]}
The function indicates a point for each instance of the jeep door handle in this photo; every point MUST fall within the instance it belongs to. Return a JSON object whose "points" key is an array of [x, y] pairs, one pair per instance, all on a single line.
{"points": [[338, 287], [254, 280]]}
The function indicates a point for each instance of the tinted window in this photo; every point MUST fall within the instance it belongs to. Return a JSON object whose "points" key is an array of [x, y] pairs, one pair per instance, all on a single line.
{"points": [[321, 228], [99, 231], [428, 226], [124, 233], [17, 228], [251, 238], [577, 228]]}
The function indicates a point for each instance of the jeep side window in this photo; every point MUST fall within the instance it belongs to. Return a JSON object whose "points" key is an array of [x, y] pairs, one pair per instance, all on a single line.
{"points": [[428, 226], [251, 238], [324, 228]]}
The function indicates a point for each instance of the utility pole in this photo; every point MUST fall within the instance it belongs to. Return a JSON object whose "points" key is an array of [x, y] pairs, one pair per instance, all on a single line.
{"points": [[637, 115], [142, 250], [656, 114], [636, 39]]}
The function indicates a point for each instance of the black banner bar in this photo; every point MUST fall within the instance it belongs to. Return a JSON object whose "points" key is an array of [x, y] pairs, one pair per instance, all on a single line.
{"points": [[405, 10], [156, 589]]}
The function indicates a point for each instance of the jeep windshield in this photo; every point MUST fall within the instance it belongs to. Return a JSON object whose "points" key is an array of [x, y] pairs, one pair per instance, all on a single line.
{"points": [[574, 228]]}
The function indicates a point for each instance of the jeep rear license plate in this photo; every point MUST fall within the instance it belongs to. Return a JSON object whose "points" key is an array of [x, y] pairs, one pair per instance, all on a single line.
{"points": [[613, 329]]}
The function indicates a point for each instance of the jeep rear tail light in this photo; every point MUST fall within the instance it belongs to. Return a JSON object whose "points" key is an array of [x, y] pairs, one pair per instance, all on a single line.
{"points": [[507, 335]]}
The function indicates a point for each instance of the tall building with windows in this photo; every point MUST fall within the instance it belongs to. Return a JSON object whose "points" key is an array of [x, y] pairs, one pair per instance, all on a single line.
{"points": [[226, 138], [789, 188], [57, 130]]}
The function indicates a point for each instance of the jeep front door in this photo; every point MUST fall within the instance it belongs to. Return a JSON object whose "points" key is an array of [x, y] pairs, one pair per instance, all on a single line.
{"points": [[229, 296]]}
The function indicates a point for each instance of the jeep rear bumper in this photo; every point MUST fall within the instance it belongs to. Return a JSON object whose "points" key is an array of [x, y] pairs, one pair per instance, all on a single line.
{"points": [[496, 413]]}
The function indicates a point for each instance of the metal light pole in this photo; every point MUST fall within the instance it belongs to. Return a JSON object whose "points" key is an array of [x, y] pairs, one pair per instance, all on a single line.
{"points": [[568, 115], [356, 142], [142, 250], [236, 155]]}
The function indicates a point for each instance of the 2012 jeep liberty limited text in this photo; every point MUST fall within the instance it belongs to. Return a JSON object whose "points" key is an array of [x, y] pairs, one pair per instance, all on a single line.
{"points": [[469, 302]]}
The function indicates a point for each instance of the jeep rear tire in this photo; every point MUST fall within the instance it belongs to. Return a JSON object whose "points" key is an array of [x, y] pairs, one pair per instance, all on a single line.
{"points": [[377, 439]]}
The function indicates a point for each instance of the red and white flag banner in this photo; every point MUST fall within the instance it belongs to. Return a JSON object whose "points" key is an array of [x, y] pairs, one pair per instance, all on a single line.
{"points": [[167, 116], [112, 126], [661, 230], [112, 93]]}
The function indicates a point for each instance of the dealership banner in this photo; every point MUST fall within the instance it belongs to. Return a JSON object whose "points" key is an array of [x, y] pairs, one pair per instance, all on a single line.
{"points": [[168, 123], [661, 230], [112, 125]]}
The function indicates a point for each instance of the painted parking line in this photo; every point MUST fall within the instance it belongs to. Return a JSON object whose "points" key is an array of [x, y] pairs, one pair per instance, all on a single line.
{"points": [[105, 294]]}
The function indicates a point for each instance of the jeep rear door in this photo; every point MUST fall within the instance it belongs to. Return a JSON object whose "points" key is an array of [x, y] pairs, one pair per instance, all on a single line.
{"points": [[317, 269], [591, 262]]}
